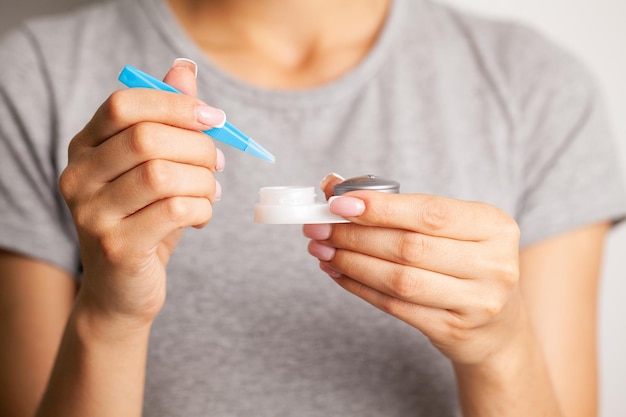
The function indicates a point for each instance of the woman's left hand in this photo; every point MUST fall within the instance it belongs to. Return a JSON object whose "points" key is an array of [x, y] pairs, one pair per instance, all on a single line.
{"points": [[448, 267]]}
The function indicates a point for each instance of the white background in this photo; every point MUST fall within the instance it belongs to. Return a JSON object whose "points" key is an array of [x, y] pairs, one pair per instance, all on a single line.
{"points": [[595, 30]]}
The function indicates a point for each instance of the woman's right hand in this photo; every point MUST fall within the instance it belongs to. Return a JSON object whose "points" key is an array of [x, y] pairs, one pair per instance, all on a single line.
{"points": [[138, 174]]}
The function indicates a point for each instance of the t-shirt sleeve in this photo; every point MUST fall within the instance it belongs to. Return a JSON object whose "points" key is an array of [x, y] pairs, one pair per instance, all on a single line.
{"points": [[34, 220], [569, 172]]}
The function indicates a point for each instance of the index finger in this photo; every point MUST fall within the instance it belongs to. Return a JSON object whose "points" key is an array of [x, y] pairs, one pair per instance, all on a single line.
{"points": [[125, 108], [428, 214]]}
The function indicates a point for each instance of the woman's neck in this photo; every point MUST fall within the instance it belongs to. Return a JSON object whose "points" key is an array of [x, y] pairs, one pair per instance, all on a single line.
{"points": [[284, 44]]}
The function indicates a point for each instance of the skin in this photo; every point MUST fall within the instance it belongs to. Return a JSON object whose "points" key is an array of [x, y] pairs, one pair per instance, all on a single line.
{"points": [[129, 214], [291, 44], [518, 326]]}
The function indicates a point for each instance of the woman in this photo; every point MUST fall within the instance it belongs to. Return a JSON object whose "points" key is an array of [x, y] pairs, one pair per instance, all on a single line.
{"points": [[490, 254]]}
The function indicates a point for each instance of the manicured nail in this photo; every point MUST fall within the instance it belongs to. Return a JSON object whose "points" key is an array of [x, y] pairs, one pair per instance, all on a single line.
{"points": [[210, 116], [317, 231], [346, 206], [328, 178], [321, 251], [218, 191], [187, 64], [331, 272], [220, 160]]}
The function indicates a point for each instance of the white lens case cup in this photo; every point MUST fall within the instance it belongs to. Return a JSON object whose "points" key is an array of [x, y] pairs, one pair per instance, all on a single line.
{"points": [[297, 205]]}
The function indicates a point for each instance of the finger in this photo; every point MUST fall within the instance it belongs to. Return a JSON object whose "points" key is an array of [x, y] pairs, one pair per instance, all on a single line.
{"points": [[148, 227], [414, 285], [182, 76], [328, 183], [461, 259], [428, 214], [148, 141], [125, 108], [427, 319], [153, 181]]}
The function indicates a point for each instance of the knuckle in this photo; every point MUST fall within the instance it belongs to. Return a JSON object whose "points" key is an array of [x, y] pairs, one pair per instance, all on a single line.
{"points": [[512, 230], [491, 307], [114, 105], [434, 213], [459, 334], [488, 306], [141, 142], [413, 248], [507, 226], [458, 329], [155, 175], [391, 306], [68, 183], [82, 217], [509, 274], [503, 271], [89, 222], [73, 148], [112, 248], [176, 209], [405, 284]]}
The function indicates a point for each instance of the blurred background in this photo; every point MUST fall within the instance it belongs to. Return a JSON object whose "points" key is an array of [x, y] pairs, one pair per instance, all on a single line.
{"points": [[595, 30]]}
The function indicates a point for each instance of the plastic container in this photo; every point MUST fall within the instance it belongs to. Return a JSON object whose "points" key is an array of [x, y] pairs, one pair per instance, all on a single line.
{"points": [[297, 205]]}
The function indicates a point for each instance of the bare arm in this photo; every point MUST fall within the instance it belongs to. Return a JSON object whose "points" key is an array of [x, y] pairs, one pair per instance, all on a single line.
{"points": [[554, 359], [559, 284], [100, 364], [35, 302], [100, 367]]}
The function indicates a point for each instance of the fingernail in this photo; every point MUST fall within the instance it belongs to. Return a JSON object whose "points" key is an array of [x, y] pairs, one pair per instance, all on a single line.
{"points": [[317, 231], [210, 116], [220, 160], [331, 272], [218, 191], [321, 251], [346, 206], [328, 178], [187, 64]]}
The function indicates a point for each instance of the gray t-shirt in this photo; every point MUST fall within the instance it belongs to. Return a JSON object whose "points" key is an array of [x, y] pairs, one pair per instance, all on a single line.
{"points": [[445, 103]]}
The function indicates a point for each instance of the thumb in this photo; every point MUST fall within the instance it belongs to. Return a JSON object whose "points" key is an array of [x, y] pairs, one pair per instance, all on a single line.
{"points": [[182, 76], [329, 182]]}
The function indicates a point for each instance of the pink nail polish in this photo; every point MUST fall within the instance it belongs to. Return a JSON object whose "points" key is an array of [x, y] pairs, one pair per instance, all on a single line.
{"points": [[220, 160], [329, 177], [347, 206], [321, 251], [210, 116], [320, 231], [218, 191], [331, 272], [186, 63]]}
